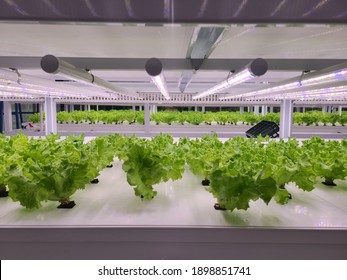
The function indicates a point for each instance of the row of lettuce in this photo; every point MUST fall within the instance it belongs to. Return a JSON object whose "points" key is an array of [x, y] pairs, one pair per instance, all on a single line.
{"points": [[238, 171], [192, 117]]}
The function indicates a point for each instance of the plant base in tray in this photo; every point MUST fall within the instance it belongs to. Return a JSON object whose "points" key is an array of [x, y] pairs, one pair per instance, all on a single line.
{"points": [[67, 205], [329, 183], [94, 181], [282, 187], [205, 182], [3, 193], [217, 206]]}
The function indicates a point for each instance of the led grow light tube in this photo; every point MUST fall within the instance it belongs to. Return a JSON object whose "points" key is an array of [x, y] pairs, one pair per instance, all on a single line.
{"points": [[41, 92], [335, 87], [54, 65], [14, 78], [317, 94], [321, 77], [154, 69], [257, 67]]}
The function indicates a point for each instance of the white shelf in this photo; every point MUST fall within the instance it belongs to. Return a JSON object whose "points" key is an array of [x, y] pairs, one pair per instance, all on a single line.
{"points": [[336, 132]]}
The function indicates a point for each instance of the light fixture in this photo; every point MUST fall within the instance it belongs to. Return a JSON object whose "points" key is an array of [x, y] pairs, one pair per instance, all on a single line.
{"points": [[331, 91], [40, 92], [317, 78], [11, 79], [6, 93], [257, 67], [54, 65], [331, 87], [154, 69]]}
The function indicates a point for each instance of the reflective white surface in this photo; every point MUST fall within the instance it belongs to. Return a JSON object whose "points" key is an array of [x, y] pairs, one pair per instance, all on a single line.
{"points": [[181, 203]]}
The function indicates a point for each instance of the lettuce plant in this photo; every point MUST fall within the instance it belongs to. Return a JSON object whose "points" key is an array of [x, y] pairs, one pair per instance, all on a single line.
{"points": [[47, 169], [328, 158], [149, 162]]}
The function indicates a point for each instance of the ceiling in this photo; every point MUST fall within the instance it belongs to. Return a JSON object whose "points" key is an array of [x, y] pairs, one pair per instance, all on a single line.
{"points": [[117, 51]]}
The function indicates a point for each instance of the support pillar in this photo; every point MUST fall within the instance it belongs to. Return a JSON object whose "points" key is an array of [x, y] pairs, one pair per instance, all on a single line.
{"points": [[51, 115], [203, 109], [286, 118], [7, 117], [324, 109], [154, 108], [340, 110], [263, 110], [20, 114], [72, 108], [66, 107], [271, 109], [1, 116], [16, 113], [242, 109], [41, 111], [134, 108], [196, 108], [97, 107], [256, 110], [147, 119]]}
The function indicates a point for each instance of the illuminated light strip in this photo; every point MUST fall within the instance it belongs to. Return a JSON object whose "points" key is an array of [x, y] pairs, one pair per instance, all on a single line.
{"points": [[307, 92], [53, 65], [16, 89], [159, 81], [17, 94], [331, 77], [13, 78], [322, 77], [154, 69], [238, 78], [313, 93], [295, 96], [257, 67]]}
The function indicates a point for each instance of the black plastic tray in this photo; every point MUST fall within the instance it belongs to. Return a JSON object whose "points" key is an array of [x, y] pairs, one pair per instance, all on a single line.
{"points": [[264, 128]]}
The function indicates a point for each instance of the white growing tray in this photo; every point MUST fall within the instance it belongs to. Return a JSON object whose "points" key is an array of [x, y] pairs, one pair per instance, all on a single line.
{"points": [[183, 203]]}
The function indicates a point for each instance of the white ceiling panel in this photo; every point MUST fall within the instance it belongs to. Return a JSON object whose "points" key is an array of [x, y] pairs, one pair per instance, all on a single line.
{"points": [[283, 42], [94, 40]]}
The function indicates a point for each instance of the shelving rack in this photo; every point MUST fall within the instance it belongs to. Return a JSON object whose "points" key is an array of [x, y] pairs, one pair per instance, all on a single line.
{"points": [[148, 101]]}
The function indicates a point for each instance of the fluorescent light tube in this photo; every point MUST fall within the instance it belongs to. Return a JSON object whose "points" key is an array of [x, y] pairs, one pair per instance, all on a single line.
{"points": [[322, 77], [257, 67], [54, 65], [154, 69], [12, 78]]}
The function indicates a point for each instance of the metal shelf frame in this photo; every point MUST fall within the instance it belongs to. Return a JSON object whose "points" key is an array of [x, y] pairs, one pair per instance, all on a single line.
{"points": [[150, 100]]}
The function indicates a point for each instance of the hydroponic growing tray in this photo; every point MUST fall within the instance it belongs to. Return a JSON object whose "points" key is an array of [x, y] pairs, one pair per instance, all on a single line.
{"points": [[108, 221]]}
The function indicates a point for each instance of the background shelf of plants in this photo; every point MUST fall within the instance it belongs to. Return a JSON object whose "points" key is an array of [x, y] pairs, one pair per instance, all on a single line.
{"points": [[236, 172], [193, 118]]}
